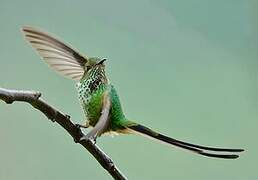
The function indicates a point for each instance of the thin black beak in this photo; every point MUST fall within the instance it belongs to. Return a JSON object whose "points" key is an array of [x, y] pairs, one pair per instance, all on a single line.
{"points": [[101, 61]]}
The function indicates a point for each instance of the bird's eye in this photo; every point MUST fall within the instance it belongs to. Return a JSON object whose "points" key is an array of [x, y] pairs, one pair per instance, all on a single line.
{"points": [[87, 67]]}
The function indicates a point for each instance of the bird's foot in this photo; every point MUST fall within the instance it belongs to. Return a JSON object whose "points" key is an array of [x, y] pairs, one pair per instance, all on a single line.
{"points": [[79, 131], [86, 125], [79, 126], [88, 137]]}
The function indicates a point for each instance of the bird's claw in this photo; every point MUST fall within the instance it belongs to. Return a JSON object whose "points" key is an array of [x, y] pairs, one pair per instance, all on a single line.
{"points": [[91, 136], [88, 138], [78, 129], [78, 126], [86, 125]]}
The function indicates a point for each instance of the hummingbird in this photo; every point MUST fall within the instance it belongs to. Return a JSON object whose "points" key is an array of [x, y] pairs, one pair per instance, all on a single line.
{"points": [[99, 98]]}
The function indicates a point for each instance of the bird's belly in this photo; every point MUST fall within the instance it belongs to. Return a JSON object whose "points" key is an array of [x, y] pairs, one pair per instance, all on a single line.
{"points": [[91, 103], [92, 106], [93, 110]]}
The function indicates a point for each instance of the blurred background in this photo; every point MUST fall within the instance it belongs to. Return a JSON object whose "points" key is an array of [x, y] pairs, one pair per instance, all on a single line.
{"points": [[188, 69]]}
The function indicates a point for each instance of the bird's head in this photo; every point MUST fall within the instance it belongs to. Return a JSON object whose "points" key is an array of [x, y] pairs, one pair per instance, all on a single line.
{"points": [[94, 67], [94, 63]]}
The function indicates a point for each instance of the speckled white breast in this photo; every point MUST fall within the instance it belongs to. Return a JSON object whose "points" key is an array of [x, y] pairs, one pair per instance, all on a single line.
{"points": [[84, 94]]}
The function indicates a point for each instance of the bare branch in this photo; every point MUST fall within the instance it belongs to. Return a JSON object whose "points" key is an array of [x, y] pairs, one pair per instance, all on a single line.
{"points": [[33, 98]]}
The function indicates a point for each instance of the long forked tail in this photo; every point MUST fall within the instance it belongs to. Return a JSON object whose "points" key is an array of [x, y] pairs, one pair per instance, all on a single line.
{"points": [[202, 150]]}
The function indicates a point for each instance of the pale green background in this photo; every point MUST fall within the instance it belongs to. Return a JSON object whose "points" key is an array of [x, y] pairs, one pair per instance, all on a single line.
{"points": [[186, 68]]}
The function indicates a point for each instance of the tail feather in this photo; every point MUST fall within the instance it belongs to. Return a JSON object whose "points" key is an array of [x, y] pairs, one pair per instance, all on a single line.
{"points": [[202, 150]]}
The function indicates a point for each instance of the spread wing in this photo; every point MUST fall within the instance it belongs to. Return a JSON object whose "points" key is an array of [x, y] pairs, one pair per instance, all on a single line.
{"points": [[56, 54]]}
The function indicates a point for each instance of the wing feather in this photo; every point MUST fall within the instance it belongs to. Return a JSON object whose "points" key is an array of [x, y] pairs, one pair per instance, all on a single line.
{"points": [[56, 54]]}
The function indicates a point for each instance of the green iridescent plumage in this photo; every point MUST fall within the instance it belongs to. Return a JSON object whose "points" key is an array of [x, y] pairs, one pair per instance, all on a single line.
{"points": [[91, 89], [98, 96]]}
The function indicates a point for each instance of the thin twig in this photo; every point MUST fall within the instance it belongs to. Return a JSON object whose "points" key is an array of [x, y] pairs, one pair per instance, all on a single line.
{"points": [[33, 98]]}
